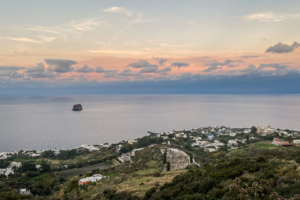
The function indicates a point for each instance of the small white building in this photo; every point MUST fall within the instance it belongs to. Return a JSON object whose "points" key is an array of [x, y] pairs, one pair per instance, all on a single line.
{"points": [[25, 192], [132, 141], [2, 171], [15, 164], [232, 143], [34, 155], [297, 141], [232, 134], [94, 178], [209, 150], [39, 167], [135, 150], [90, 147], [247, 130], [9, 171]]}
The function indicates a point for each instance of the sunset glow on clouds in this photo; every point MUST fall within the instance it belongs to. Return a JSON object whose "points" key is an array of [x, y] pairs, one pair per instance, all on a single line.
{"points": [[75, 44]]}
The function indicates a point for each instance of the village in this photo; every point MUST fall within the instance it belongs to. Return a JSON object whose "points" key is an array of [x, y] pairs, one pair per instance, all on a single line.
{"points": [[172, 145]]}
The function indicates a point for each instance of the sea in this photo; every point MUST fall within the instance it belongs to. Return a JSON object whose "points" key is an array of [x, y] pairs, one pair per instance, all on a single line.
{"points": [[47, 122]]}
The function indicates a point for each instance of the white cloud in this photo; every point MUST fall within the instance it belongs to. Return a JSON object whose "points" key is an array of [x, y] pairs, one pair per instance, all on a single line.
{"points": [[118, 10], [271, 17], [88, 24], [25, 39]]}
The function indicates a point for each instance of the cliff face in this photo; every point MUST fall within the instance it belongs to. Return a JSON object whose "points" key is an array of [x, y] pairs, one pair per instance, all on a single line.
{"points": [[77, 107]]}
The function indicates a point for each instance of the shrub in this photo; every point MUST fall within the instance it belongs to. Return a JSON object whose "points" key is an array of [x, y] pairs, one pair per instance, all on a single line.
{"points": [[150, 192]]}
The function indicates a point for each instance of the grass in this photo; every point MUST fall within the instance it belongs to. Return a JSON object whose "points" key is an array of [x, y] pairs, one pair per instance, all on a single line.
{"points": [[135, 185], [265, 145], [147, 171], [76, 171], [111, 176], [44, 176], [25, 160]]}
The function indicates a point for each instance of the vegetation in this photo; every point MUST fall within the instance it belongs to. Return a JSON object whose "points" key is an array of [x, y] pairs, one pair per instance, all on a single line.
{"points": [[255, 170]]}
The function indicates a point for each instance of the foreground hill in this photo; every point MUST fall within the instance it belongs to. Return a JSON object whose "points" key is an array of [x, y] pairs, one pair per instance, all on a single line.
{"points": [[254, 171]]}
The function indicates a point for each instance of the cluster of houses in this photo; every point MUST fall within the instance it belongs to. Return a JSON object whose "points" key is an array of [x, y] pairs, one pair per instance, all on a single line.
{"points": [[90, 147], [10, 169], [5, 155], [209, 133], [15, 165], [126, 157], [34, 154], [96, 147]]}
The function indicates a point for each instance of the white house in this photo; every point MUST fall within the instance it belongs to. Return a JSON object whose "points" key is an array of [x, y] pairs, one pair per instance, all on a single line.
{"points": [[135, 150], [35, 155], [38, 167], [25, 192], [15, 164], [132, 141], [9, 171], [90, 147], [56, 153], [232, 142], [247, 130], [209, 150], [94, 178], [232, 134], [2, 171], [297, 141]]}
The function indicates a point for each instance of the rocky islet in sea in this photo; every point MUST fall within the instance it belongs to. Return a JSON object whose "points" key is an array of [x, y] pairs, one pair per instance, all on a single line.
{"points": [[77, 107]]}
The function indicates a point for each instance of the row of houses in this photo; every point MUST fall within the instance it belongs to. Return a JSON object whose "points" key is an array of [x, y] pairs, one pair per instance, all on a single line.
{"points": [[5, 155]]}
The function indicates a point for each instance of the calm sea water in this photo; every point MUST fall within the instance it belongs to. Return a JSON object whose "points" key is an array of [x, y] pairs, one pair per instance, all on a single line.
{"points": [[48, 122]]}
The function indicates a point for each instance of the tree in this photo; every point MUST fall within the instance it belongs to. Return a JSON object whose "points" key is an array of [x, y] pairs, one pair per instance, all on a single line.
{"points": [[165, 157], [168, 166], [248, 142], [253, 130], [45, 167], [289, 139], [27, 167], [191, 158]]}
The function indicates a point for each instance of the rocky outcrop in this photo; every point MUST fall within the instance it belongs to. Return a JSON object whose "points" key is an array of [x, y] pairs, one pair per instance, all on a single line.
{"points": [[77, 107], [177, 159]]}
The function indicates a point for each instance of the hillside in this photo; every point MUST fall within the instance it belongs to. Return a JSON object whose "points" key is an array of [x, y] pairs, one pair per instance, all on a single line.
{"points": [[174, 165]]}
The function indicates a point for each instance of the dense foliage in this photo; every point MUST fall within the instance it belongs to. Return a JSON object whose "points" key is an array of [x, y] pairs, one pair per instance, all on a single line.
{"points": [[237, 176]]}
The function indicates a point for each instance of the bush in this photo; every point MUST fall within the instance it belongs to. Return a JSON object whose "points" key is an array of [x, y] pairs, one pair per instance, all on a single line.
{"points": [[157, 174], [261, 159], [150, 192]]}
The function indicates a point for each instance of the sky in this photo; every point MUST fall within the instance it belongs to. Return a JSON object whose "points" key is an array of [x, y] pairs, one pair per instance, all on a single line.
{"points": [[149, 47]]}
